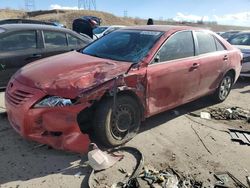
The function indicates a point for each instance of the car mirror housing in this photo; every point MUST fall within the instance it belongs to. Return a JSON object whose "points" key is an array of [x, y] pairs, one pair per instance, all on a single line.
{"points": [[157, 58]]}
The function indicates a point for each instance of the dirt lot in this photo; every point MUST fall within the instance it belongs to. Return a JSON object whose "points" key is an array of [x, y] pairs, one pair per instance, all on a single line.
{"points": [[168, 139]]}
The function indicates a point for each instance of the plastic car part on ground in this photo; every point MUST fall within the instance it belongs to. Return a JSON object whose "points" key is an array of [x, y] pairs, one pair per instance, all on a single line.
{"points": [[100, 160], [240, 136]]}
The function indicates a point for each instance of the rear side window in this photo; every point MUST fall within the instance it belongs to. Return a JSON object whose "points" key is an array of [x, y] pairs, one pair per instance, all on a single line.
{"points": [[72, 41], [18, 41], [219, 46], [206, 43], [180, 45], [54, 39]]}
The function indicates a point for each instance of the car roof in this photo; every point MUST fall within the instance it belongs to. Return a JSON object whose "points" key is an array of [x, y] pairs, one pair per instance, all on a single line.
{"points": [[21, 26], [112, 26], [246, 31], [163, 28]]}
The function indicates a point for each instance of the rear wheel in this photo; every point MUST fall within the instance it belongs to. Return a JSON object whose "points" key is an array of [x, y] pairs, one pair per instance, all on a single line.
{"points": [[116, 125], [224, 88]]}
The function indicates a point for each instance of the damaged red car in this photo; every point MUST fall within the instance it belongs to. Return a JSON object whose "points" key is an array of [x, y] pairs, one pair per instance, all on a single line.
{"points": [[113, 84]]}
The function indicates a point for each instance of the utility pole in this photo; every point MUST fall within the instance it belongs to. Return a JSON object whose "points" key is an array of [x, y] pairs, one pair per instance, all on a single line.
{"points": [[87, 4], [29, 5], [125, 14]]}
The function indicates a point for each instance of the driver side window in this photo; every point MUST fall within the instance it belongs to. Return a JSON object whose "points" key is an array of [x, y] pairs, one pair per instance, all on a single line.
{"points": [[179, 45]]}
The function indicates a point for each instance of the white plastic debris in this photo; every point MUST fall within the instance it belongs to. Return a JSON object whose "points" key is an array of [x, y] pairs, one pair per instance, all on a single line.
{"points": [[248, 180], [229, 110], [205, 115], [100, 160], [172, 181], [78, 174]]}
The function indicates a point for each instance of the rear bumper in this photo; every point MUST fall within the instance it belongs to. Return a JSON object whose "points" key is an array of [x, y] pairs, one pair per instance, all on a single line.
{"points": [[55, 126]]}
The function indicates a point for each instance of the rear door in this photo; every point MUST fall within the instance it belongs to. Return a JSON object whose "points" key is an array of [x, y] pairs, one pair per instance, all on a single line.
{"points": [[55, 42], [213, 61], [16, 50], [173, 78]]}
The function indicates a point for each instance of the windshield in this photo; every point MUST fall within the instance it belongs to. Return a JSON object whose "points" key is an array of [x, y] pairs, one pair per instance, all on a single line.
{"points": [[99, 30], [227, 35], [240, 39], [124, 45]]}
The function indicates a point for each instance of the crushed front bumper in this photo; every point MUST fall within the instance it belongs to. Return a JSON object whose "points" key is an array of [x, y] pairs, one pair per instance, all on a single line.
{"points": [[55, 126]]}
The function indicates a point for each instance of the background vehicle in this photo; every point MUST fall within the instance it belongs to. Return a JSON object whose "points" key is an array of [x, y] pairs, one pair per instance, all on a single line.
{"points": [[226, 35], [116, 82], [104, 30], [23, 43], [220, 32], [86, 24], [242, 41], [28, 21]]}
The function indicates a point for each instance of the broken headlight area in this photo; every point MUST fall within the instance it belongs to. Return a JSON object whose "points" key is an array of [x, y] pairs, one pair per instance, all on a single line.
{"points": [[53, 101]]}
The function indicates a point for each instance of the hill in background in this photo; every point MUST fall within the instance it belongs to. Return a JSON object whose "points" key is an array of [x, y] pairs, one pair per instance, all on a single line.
{"points": [[67, 16]]}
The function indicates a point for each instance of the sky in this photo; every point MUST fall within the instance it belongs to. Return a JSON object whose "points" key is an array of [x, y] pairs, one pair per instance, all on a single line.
{"points": [[228, 12]]}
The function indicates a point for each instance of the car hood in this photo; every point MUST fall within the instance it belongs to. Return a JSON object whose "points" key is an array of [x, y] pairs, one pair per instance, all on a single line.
{"points": [[69, 74]]}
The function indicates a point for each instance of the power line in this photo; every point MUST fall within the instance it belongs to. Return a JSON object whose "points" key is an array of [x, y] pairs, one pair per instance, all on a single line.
{"points": [[125, 13], [87, 4], [29, 5]]}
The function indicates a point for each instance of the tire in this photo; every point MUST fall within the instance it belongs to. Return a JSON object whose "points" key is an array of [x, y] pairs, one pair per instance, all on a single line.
{"points": [[113, 129], [224, 88]]}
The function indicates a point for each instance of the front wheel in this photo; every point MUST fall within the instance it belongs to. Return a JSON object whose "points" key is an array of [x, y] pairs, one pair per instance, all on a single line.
{"points": [[224, 88], [114, 126]]}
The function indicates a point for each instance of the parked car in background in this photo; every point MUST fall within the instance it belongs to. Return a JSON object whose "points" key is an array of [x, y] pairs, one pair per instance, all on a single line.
{"points": [[28, 21], [86, 24], [116, 82], [104, 30], [220, 32], [226, 35], [21, 44], [242, 41]]}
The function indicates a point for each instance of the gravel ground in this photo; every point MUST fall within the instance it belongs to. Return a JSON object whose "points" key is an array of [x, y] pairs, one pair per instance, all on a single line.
{"points": [[168, 139]]}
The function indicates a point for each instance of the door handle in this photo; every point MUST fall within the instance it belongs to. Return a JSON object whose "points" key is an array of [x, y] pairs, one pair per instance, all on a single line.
{"points": [[225, 58], [34, 56], [195, 65]]}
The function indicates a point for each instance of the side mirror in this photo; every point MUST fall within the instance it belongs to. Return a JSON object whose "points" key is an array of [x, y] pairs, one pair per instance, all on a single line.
{"points": [[157, 58]]}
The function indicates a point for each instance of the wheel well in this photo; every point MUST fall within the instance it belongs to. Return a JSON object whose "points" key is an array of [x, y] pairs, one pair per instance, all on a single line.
{"points": [[84, 115], [231, 72]]}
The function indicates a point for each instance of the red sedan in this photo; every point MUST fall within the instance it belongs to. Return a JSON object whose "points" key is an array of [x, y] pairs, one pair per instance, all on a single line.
{"points": [[116, 82]]}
